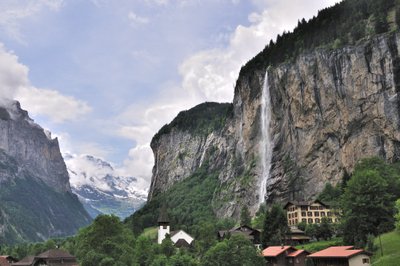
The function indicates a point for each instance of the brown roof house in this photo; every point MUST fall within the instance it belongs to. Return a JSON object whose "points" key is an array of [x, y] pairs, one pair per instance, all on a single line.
{"points": [[296, 236], [52, 257], [284, 256], [341, 256], [250, 233]]}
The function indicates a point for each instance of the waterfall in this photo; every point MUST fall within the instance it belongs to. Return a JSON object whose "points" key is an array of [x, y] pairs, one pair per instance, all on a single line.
{"points": [[265, 145]]}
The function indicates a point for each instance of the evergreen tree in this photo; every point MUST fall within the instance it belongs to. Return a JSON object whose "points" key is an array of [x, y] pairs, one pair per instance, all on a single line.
{"points": [[397, 216], [367, 204], [245, 218], [275, 227], [236, 251]]}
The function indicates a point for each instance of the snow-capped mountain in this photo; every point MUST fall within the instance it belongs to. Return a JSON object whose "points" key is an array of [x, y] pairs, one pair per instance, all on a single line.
{"points": [[101, 189]]}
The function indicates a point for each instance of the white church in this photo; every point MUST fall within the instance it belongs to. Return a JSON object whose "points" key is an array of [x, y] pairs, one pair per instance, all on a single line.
{"points": [[180, 238]]}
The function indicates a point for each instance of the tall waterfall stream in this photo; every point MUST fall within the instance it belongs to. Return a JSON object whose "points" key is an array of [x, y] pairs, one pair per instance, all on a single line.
{"points": [[266, 144]]}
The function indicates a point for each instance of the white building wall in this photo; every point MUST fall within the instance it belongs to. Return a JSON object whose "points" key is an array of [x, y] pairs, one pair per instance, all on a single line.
{"points": [[358, 260], [163, 230]]}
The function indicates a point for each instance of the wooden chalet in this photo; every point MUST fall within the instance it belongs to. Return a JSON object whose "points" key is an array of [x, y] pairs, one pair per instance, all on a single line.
{"points": [[296, 236], [52, 257], [249, 233], [341, 256], [284, 256]]}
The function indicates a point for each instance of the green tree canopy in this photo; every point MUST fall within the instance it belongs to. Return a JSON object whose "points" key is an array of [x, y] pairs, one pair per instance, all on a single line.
{"points": [[367, 205], [275, 226], [236, 251], [106, 239], [245, 218]]}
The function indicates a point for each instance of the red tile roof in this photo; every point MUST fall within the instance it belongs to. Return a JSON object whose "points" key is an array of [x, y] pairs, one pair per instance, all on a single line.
{"points": [[297, 253], [274, 251], [337, 252]]}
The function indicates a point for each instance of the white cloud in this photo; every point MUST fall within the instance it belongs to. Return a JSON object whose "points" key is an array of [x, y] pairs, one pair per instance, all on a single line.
{"points": [[12, 13], [59, 108], [12, 74], [136, 19], [210, 75], [14, 83]]}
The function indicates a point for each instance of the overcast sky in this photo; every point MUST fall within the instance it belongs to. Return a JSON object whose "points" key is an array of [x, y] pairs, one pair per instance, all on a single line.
{"points": [[104, 75]]}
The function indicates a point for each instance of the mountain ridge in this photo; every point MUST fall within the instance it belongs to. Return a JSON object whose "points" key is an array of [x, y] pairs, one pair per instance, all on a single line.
{"points": [[330, 105], [101, 189], [36, 200]]}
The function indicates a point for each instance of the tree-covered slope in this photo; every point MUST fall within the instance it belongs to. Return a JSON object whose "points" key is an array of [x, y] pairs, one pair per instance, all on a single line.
{"points": [[30, 210]]}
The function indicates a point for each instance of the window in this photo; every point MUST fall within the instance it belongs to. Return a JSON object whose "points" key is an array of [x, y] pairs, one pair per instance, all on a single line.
{"points": [[329, 214], [297, 221], [303, 214], [317, 221], [365, 260], [329, 220], [310, 221], [304, 208], [290, 216], [323, 214], [313, 208], [309, 213], [316, 213], [290, 222], [321, 207], [304, 220], [295, 214]]}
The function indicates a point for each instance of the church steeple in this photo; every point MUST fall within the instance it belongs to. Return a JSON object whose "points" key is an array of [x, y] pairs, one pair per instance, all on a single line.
{"points": [[163, 216], [163, 224]]}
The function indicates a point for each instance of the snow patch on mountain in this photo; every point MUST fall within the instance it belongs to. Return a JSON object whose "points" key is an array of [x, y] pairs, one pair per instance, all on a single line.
{"points": [[102, 189]]}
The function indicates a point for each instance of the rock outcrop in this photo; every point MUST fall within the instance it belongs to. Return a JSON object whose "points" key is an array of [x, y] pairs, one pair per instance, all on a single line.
{"points": [[330, 108], [36, 201]]}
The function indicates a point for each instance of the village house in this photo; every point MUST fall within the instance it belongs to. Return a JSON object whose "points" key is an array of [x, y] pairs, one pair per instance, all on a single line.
{"points": [[309, 212], [341, 256], [180, 238], [284, 256], [52, 257], [296, 236], [246, 231]]}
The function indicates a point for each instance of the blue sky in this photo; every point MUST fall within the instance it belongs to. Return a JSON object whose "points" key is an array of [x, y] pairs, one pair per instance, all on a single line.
{"points": [[104, 75]]}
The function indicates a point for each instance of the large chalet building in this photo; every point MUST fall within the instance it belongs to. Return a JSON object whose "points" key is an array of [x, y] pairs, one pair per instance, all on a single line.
{"points": [[309, 212]]}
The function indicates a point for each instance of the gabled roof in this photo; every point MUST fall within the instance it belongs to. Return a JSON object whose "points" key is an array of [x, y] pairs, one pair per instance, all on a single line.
{"points": [[304, 203], [182, 243], [297, 253], [55, 253], [27, 261], [243, 228], [274, 251], [338, 252]]}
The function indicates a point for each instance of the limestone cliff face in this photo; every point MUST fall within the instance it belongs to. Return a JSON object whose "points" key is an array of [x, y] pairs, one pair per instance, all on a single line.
{"points": [[32, 147], [36, 202], [330, 108]]}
